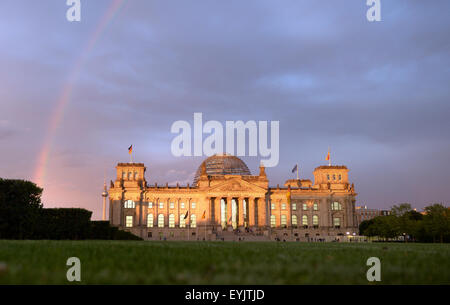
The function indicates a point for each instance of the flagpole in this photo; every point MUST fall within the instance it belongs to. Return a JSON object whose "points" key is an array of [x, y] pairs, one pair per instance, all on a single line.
{"points": [[297, 171], [189, 215]]}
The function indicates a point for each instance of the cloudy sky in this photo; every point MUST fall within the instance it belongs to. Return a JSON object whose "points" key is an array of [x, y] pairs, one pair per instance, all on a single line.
{"points": [[74, 96]]}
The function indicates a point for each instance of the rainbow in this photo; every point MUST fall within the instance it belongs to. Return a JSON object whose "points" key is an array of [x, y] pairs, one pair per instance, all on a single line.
{"points": [[39, 172]]}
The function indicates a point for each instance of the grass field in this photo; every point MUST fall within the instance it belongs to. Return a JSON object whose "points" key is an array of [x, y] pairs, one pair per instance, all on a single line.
{"points": [[137, 262]]}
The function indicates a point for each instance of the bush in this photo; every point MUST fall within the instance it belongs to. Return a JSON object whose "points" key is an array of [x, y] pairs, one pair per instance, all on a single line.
{"points": [[62, 223], [103, 230]]}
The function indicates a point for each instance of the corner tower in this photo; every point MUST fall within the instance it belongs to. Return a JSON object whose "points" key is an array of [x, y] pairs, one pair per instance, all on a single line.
{"points": [[334, 177]]}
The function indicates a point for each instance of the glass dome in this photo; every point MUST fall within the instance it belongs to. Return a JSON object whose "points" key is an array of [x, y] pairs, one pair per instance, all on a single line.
{"points": [[222, 164]]}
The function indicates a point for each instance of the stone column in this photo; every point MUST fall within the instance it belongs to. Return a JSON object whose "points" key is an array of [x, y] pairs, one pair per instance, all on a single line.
{"points": [[262, 214], [177, 215], [166, 218], [241, 212], [251, 211], [229, 211], [217, 210]]}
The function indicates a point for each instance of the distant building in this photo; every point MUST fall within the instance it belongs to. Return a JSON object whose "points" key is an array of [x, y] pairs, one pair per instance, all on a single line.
{"points": [[226, 202], [363, 213]]}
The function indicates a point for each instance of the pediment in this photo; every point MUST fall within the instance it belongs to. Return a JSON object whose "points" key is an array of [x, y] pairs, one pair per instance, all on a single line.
{"points": [[237, 185]]}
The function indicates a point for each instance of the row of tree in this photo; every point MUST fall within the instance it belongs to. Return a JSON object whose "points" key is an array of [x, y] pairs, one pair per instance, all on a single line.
{"points": [[22, 216], [431, 226]]}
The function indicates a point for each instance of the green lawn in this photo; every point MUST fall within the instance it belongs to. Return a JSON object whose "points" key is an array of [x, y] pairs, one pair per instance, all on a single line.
{"points": [[137, 262]]}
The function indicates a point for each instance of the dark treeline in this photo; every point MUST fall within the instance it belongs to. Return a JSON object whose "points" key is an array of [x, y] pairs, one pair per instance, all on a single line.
{"points": [[22, 216], [432, 226]]}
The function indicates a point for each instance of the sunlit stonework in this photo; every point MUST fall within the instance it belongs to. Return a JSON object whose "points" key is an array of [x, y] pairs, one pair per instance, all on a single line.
{"points": [[226, 202]]}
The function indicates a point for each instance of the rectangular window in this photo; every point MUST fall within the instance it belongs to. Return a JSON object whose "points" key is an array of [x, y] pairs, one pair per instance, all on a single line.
{"points": [[129, 204], [283, 206], [193, 204], [273, 206], [161, 205], [294, 207], [273, 221], [336, 206], [129, 221], [193, 221], [337, 222], [182, 205], [316, 206], [340, 177], [305, 207], [172, 205], [150, 205]]}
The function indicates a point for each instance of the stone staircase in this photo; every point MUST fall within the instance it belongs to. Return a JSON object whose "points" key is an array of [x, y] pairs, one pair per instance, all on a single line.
{"points": [[239, 236]]}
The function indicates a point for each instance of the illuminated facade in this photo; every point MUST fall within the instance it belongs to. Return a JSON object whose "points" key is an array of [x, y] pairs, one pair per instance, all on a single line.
{"points": [[226, 202]]}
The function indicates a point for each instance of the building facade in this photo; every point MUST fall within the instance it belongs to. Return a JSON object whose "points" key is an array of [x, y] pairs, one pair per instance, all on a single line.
{"points": [[364, 213], [226, 202]]}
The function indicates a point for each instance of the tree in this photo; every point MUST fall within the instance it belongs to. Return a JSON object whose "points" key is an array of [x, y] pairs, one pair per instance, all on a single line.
{"points": [[20, 203], [401, 209], [364, 226], [437, 221]]}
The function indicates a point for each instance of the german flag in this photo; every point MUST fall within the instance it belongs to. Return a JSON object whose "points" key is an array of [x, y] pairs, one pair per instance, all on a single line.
{"points": [[130, 149], [186, 215], [204, 215], [327, 158]]}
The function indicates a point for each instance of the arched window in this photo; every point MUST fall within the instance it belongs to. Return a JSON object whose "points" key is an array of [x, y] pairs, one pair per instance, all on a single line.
{"points": [[124, 175], [130, 175], [305, 220], [182, 221], [171, 221], [283, 220], [193, 221], [136, 175], [294, 220], [273, 221], [150, 220], [315, 220], [161, 221]]}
